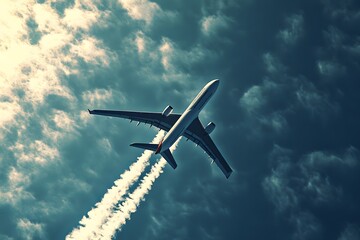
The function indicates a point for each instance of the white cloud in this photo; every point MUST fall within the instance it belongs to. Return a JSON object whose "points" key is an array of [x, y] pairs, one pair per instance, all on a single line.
{"points": [[313, 100], [319, 159], [166, 50], [257, 96], [321, 189], [140, 9], [275, 120], [30, 230], [261, 103], [8, 111], [252, 99], [78, 18], [17, 177], [88, 50], [212, 24], [276, 186], [105, 144], [32, 72], [140, 42], [63, 121], [37, 151], [330, 69], [273, 64], [97, 97], [294, 29], [279, 193]]}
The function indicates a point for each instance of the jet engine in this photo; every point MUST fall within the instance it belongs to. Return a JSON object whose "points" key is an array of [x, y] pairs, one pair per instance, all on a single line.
{"points": [[210, 127], [167, 111]]}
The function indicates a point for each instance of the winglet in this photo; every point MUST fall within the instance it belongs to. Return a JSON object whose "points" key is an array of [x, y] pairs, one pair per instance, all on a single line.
{"points": [[89, 111]]}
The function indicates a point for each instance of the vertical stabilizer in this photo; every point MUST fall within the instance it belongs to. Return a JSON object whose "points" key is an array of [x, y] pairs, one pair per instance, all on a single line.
{"points": [[169, 158]]}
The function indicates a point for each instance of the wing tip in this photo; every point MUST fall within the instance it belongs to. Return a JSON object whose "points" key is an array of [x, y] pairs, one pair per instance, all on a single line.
{"points": [[228, 174], [90, 112]]}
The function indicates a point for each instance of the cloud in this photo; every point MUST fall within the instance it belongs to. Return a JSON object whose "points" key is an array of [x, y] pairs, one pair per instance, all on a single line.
{"points": [[313, 100], [295, 187], [330, 69], [344, 10], [273, 64], [270, 103], [319, 159], [351, 232], [40, 51], [265, 108], [210, 25], [276, 185], [252, 99], [257, 96], [97, 97], [141, 9], [293, 31], [8, 111], [30, 230], [334, 36], [79, 17], [166, 50], [59, 58], [38, 152], [140, 42], [307, 226]]}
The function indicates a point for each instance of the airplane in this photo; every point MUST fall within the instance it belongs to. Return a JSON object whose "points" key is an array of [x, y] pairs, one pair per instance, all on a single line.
{"points": [[186, 124]]}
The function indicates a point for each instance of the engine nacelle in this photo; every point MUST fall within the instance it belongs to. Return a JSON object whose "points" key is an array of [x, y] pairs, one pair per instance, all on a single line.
{"points": [[167, 111], [210, 127]]}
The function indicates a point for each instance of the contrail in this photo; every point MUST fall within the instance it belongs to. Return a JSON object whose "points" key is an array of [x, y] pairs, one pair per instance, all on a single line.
{"points": [[119, 217], [97, 216]]}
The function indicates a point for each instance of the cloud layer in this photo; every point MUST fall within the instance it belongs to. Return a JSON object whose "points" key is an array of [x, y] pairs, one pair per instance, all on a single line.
{"points": [[286, 114]]}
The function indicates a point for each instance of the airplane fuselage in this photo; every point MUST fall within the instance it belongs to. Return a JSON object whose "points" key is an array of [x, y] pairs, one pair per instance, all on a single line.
{"points": [[188, 116]]}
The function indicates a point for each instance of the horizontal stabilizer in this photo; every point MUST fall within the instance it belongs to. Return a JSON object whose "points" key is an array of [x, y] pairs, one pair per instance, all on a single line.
{"points": [[147, 146], [169, 158]]}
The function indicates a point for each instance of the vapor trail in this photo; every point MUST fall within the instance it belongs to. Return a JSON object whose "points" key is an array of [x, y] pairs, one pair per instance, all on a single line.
{"points": [[90, 225], [119, 217]]}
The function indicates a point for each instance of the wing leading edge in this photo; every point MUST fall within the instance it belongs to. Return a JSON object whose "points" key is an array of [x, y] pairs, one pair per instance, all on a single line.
{"points": [[196, 133], [156, 119]]}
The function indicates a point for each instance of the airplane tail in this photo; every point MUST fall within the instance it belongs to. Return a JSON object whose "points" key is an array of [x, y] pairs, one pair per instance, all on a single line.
{"points": [[169, 158], [154, 147]]}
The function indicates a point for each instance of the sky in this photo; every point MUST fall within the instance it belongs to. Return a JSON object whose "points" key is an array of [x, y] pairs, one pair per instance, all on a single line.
{"points": [[286, 114]]}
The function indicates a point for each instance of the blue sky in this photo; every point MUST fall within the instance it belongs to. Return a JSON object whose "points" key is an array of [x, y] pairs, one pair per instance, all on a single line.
{"points": [[286, 115]]}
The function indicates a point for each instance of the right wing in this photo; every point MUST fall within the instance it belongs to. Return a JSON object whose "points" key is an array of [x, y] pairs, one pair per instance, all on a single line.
{"points": [[156, 119], [196, 133]]}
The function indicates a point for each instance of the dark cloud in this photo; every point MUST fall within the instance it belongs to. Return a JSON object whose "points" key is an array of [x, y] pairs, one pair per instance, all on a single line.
{"points": [[306, 190]]}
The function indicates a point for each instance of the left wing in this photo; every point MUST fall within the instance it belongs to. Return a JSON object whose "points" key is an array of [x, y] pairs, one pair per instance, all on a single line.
{"points": [[156, 119], [196, 133]]}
